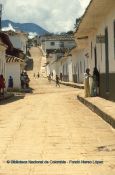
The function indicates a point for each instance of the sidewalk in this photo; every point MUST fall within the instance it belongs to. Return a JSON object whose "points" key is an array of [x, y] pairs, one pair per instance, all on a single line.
{"points": [[102, 107], [75, 85], [6, 97]]}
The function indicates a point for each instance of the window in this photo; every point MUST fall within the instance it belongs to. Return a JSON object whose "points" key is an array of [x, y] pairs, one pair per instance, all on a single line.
{"points": [[52, 43]]}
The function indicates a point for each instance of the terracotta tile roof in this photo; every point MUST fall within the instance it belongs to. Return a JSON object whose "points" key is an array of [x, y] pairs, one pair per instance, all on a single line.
{"points": [[13, 59]]}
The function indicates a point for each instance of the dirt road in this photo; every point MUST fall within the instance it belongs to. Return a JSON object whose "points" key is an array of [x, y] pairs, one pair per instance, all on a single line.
{"points": [[51, 125]]}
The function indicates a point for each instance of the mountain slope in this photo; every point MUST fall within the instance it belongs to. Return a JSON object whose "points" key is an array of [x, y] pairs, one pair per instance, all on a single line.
{"points": [[26, 27]]}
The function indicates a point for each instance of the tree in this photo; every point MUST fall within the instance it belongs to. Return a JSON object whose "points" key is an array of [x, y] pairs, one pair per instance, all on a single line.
{"points": [[70, 32], [77, 22]]}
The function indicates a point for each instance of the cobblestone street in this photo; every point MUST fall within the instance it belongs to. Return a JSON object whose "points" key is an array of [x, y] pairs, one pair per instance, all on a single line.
{"points": [[51, 124]]}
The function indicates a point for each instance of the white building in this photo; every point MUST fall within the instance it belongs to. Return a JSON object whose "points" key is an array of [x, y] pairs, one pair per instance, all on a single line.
{"points": [[98, 26], [55, 42], [52, 66], [19, 40], [55, 46], [73, 64], [9, 65], [79, 62]]}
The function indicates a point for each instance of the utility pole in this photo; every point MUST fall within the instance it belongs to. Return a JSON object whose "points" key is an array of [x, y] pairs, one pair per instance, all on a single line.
{"points": [[0, 17]]}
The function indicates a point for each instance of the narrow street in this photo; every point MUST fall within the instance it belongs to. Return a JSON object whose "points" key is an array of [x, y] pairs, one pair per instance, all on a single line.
{"points": [[51, 124]]}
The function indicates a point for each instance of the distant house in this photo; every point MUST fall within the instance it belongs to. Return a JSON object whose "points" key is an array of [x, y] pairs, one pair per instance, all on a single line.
{"points": [[18, 40], [36, 41], [55, 46], [57, 42]]}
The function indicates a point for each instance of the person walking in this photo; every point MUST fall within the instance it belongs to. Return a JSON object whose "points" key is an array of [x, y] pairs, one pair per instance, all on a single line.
{"points": [[57, 81], [86, 82], [38, 75]]}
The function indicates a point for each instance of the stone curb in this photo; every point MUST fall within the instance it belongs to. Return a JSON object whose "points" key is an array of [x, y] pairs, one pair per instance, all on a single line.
{"points": [[7, 97], [73, 85], [109, 119], [70, 84]]}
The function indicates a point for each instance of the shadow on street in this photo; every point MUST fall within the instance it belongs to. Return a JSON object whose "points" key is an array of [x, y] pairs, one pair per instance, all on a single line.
{"points": [[12, 99], [28, 90]]}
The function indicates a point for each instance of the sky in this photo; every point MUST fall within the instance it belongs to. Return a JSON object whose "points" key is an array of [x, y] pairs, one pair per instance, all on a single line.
{"points": [[52, 15]]}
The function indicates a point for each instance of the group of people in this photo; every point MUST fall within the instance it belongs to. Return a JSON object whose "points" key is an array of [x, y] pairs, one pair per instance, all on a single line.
{"points": [[91, 90], [24, 80]]}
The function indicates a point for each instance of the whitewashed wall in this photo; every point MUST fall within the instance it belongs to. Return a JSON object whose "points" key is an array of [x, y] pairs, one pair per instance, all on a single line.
{"points": [[79, 63], [108, 21], [13, 69]]}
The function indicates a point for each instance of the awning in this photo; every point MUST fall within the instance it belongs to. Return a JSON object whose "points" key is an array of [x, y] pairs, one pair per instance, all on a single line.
{"points": [[13, 59]]}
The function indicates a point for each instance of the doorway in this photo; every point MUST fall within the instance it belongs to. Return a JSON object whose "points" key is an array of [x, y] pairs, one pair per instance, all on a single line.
{"points": [[106, 60], [95, 56]]}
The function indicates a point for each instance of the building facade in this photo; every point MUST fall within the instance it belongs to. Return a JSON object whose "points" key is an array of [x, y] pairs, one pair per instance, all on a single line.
{"points": [[55, 47], [98, 26]]}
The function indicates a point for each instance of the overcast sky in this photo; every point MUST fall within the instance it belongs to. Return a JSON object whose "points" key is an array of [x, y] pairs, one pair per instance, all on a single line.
{"points": [[52, 15]]}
